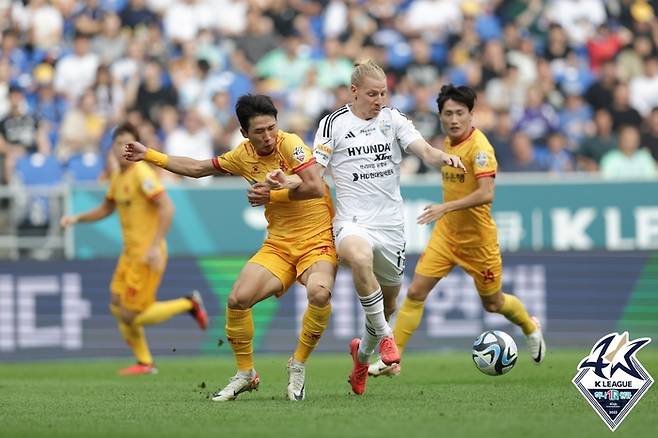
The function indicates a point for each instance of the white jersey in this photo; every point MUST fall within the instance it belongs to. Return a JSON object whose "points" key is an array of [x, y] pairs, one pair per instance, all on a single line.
{"points": [[363, 158]]}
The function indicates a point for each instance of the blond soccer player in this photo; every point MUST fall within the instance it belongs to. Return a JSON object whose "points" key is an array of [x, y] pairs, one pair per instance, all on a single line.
{"points": [[465, 233], [299, 244], [145, 213]]}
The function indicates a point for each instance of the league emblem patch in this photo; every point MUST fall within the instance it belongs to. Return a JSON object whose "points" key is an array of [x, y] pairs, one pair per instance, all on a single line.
{"points": [[148, 185], [611, 378], [481, 159], [299, 154], [385, 127]]}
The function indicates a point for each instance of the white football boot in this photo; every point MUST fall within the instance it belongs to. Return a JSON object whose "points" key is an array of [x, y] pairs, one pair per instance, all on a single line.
{"points": [[241, 382], [536, 344], [379, 368], [296, 381]]}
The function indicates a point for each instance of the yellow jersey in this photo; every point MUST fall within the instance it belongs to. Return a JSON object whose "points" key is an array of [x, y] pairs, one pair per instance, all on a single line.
{"points": [[133, 192], [471, 226], [291, 220]]}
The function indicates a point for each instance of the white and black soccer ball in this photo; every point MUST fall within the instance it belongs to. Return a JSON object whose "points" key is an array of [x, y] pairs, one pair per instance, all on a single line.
{"points": [[494, 352]]}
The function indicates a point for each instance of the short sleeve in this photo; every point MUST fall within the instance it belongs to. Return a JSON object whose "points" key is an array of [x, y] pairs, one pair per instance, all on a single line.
{"points": [[296, 153], [405, 131], [110, 195], [484, 160], [323, 145], [228, 162], [149, 183]]}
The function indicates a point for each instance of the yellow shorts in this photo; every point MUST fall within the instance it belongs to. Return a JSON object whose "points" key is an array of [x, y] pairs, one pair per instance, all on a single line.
{"points": [[135, 283], [483, 264], [289, 260]]}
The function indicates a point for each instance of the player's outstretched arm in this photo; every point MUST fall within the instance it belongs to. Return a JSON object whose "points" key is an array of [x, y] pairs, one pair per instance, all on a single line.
{"points": [[135, 151], [482, 195], [434, 157], [98, 213]]}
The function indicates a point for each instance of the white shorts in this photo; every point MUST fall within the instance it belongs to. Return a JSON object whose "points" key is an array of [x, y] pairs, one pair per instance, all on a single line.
{"points": [[387, 249]]}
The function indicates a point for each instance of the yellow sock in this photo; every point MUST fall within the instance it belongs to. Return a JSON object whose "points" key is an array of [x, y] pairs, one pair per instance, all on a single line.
{"points": [[162, 311], [134, 337], [315, 321], [407, 321], [514, 310], [240, 334]]}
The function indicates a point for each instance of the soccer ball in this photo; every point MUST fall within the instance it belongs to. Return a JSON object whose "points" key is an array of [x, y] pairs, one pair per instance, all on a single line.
{"points": [[494, 352]]}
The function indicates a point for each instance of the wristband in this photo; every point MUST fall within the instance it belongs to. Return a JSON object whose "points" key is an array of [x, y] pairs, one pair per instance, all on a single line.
{"points": [[155, 157], [280, 195]]}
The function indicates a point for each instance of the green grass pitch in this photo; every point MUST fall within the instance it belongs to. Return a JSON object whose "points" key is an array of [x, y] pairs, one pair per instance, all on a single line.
{"points": [[439, 394]]}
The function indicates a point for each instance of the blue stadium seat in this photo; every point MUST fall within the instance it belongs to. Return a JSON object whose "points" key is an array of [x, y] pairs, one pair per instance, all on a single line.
{"points": [[38, 170], [85, 167]]}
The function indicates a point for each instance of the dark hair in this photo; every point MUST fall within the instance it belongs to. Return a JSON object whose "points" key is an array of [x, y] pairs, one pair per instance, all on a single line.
{"points": [[126, 128], [462, 94], [250, 105]]}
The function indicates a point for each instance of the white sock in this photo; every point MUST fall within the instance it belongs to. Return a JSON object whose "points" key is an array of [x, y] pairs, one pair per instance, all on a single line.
{"points": [[368, 344], [373, 305]]}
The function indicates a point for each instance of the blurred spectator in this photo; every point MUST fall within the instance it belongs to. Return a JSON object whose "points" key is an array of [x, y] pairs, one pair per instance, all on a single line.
{"points": [[537, 118], [20, 133], [191, 140], [558, 159], [88, 16], [629, 161], [109, 96], [507, 92], [579, 18], [259, 37], [630, 59], [604, 45], [501, 138], [523, 155], [41, 21], [650, 134], [599, 94], [76, 72], [110, 43], [595, 146], [334, 69], [621, 111], [287, 65], [81, 129], [643, 89], [575, 119], [136, 13], [152, 93]]}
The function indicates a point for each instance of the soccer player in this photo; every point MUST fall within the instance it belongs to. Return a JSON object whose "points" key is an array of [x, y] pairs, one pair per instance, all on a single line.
{"points": [[299, 245], [465, 233], [360, 145], [145, 213]]}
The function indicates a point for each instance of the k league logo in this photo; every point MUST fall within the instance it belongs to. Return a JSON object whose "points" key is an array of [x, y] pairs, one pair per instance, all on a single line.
{"points": [[612, 379]]}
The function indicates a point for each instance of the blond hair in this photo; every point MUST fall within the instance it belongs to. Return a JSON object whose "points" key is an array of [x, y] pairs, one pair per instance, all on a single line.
{"points": [[366, 68]]}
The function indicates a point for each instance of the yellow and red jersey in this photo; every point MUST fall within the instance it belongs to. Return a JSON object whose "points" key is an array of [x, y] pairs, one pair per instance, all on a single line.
{"points": [[286, 220], [133, 192], [471, 226]]}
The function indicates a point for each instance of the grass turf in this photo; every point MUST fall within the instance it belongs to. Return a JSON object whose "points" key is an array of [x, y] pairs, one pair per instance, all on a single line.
{"points": [[437, 394]]}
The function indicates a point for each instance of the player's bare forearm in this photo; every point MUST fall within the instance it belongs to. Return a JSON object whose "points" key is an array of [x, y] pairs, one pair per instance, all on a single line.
{"points": [[311, 185], [98, 213], [484, 194], [189, 167], [435, 157], [165, 216]]}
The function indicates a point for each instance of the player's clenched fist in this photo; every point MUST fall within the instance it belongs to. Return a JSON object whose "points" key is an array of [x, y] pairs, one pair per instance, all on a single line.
{"points": [[276, 179], [134, 151]]}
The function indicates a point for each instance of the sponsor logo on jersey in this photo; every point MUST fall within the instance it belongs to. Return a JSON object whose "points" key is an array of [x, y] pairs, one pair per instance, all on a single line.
{"points": [[481, 159], [381, 148], [372, 175], [350, 134], [385, 127], [612, 379], [299, 154]]}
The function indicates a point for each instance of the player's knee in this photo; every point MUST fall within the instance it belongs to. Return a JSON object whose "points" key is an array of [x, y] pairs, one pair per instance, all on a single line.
{"points": [[492, 305], [417, 293], [127, 317], [319, 294], [238, 301], [360, 260]]}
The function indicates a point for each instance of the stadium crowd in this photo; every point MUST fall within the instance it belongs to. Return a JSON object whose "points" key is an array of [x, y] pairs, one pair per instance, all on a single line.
{"points": [[563, 85]]}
